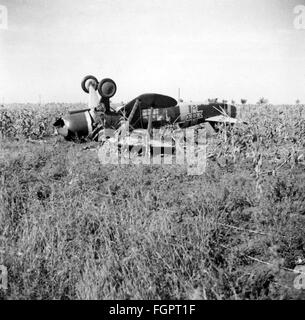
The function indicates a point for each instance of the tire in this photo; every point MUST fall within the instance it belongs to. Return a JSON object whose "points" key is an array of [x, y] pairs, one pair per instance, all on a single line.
{"points": [[107, 92], [84, 81]]}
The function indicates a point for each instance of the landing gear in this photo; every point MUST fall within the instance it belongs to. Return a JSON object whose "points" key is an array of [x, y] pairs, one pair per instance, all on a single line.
{"points": [[87, 81], [107, 88]]}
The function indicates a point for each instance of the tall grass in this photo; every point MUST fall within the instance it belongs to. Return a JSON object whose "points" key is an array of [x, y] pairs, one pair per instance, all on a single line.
{"points": [[73, 228]]}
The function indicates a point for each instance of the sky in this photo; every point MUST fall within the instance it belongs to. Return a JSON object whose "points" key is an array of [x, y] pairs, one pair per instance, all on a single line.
{"points": [[230, 49]]}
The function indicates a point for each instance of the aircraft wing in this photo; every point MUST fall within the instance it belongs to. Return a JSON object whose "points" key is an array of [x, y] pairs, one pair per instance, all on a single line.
{"points": [[150, 100], [221, 118]]}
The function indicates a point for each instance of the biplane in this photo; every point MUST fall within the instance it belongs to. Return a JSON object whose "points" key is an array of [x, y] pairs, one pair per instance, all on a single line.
{"points": [[144, 113]]}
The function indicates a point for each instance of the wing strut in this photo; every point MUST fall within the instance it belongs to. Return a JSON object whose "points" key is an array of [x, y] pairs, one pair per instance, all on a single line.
{"points": [[125, 126], [149, 127], [93, 99]]}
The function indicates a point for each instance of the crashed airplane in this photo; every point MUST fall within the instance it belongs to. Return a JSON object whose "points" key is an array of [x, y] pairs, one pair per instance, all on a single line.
{"points": [[147, 111]]}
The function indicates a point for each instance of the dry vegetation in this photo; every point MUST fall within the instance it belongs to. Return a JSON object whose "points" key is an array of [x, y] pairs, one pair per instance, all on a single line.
{"points": [[73, 228]]}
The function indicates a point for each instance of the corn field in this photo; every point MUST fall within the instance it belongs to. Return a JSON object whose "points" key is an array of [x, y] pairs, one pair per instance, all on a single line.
{"points": [[31, 121]]}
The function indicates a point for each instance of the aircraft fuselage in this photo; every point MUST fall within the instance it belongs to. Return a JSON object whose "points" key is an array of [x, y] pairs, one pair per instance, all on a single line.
{"points": [[184, 114], [79, 124]]}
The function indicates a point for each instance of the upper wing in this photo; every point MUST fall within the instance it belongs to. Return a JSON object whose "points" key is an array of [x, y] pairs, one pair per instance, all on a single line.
{"points": [[222, 118]]}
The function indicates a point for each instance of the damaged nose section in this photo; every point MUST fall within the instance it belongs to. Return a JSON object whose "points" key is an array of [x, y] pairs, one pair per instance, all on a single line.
{"points": [[59, 122], [61, 127]]}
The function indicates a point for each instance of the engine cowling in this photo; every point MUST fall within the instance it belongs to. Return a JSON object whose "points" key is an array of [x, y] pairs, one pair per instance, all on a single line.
{"points": [[107, 88], [74, 125]]}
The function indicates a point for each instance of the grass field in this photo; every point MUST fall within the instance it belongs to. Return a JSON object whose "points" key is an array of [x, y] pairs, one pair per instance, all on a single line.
{"points": [[73, 228]]}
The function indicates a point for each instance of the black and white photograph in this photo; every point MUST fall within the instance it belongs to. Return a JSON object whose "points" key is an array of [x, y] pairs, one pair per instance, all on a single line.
{"points": [[152, 150]]}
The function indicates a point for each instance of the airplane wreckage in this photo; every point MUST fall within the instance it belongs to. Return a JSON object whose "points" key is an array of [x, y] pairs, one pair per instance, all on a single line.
{"points": [[128, 123]]}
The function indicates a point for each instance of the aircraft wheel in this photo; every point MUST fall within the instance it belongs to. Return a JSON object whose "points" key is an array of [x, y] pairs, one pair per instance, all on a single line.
{"points": [[87, 80], [107, 88]]}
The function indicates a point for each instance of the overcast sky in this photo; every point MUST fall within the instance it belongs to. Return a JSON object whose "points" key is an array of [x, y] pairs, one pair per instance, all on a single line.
{"points": [[209, 48]]}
